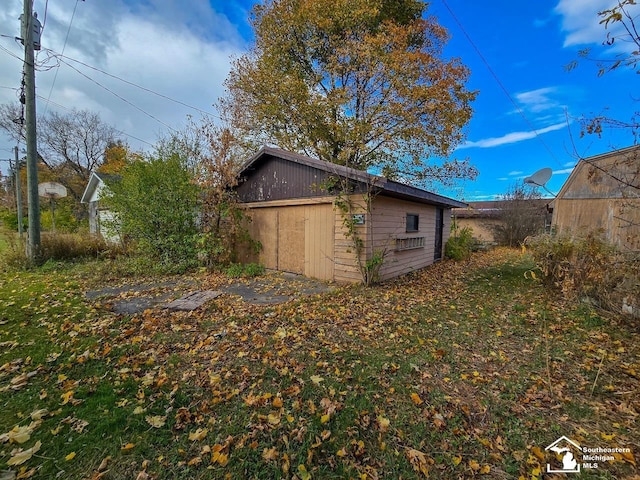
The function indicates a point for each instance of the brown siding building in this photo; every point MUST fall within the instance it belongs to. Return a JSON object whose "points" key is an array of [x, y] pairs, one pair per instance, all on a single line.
{"points": [[291, 200], [602, 194]]}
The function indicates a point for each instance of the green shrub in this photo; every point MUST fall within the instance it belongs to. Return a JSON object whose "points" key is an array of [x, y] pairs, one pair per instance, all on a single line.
{"points": [[237, 270], [588, 268], [156, 206], [9, 220], [460, 243]]}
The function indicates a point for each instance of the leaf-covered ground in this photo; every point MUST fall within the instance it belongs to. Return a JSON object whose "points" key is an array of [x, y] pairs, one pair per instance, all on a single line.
{"points": [[462, 370]]}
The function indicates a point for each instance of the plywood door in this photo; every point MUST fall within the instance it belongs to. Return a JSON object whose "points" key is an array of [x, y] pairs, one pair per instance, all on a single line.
{"points": [[291, 239], [319, 242], [264, 228]]}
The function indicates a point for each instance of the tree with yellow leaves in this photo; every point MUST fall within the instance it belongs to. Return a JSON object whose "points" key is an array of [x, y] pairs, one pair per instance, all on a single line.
{"points": [[360, 83]]}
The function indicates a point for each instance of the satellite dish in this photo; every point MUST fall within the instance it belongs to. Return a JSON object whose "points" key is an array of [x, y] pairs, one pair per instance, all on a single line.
{"points": [[540, 178], [52, 190]]}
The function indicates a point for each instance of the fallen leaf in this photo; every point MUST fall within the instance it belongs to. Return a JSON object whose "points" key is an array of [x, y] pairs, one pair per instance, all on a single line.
{"points": [[128, 446], [38, 414], [71, 456], [198, 435], [104, 463], [66, 397], [416, 399], [316, 379], [23, 456], [156, 421], [475, 466], [302, 471], [383, 423], [270, 454], [538, 453], [20, 434]]}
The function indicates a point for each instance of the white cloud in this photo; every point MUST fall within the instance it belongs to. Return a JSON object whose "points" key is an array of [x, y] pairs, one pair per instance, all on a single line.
{"points": [[563, 171], [509, 138], [515, 172], [580, 21], [539, 100], [182, 53]]}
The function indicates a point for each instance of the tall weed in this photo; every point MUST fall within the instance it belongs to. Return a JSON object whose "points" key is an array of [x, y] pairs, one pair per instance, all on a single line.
{"points": [[589, 268]]}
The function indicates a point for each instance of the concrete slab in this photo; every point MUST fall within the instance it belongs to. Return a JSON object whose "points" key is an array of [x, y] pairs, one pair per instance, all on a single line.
{"points": [[193, 300]]}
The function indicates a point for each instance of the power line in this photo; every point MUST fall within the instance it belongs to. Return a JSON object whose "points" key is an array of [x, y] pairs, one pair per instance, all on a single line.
{"points": [[135, 85], [499, 82], [119, 131], [9, 52], [66, 39], [118, 96]]}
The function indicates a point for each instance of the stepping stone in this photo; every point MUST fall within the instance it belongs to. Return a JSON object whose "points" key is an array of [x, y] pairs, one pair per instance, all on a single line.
{"points": [[193, 300]]}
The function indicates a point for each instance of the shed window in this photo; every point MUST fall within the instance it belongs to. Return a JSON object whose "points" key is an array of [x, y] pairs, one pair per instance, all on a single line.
{"points": [[412, 222]]}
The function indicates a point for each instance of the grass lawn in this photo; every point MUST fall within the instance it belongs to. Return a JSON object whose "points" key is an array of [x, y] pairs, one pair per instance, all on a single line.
{"points": [[463, 370], [4, 239]]}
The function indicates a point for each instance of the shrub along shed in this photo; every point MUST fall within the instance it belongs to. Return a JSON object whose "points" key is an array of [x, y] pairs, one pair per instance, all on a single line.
{"points": [[293, 203]]}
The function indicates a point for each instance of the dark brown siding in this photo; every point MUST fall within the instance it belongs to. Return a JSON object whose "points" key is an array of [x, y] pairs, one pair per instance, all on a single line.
{"points": [[278, 179]]}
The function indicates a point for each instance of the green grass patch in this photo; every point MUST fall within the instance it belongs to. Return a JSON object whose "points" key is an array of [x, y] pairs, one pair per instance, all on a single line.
{"points": [[459, 371]]}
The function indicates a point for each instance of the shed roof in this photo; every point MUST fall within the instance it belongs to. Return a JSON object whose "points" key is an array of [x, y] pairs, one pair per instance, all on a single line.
{"points": [[602, 163], [94, 181], [493, 208], [383, 185]]}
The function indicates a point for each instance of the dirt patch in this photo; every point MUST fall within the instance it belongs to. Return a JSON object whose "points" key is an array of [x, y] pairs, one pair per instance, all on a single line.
{"points": [[270, 289]]}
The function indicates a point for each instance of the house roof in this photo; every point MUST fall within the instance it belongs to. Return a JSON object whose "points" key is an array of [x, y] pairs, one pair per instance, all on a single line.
{"points": [[385, 186], [489, 209], [94, 181], [598, 162]]}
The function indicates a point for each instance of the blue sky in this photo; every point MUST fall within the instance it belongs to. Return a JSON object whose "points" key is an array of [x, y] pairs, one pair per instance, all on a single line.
{"points": [[525, 113]]}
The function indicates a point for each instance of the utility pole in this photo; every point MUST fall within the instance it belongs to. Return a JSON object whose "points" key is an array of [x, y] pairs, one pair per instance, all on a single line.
{"points": [[33, 244], [18, 193]]}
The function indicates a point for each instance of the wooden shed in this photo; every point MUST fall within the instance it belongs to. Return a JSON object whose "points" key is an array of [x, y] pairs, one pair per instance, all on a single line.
{"points": [[602, 194], [101, 219], [291, 200]]}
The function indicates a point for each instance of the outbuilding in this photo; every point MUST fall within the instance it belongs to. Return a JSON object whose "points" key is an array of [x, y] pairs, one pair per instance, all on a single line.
{"points": [[602, 194], [299, 214], [101, 219]]}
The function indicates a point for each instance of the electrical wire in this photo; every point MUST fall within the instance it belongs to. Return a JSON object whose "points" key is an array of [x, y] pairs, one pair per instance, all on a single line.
{"points": [[500, 84], [44, 19], [69, 110], [9, 52], [118, 96], [54, 54], [66, 39]]}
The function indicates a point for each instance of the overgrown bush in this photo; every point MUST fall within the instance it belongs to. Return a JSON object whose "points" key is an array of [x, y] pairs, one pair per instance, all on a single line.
{"points": [[460, 243], [9, 220], [588, 268], [56, 247], [156, 206]]}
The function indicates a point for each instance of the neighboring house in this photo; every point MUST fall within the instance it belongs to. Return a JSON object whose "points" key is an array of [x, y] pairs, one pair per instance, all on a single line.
{"points": [[480, 217], [292, 205], [101, 219], [484, 217], [602, 194]]}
